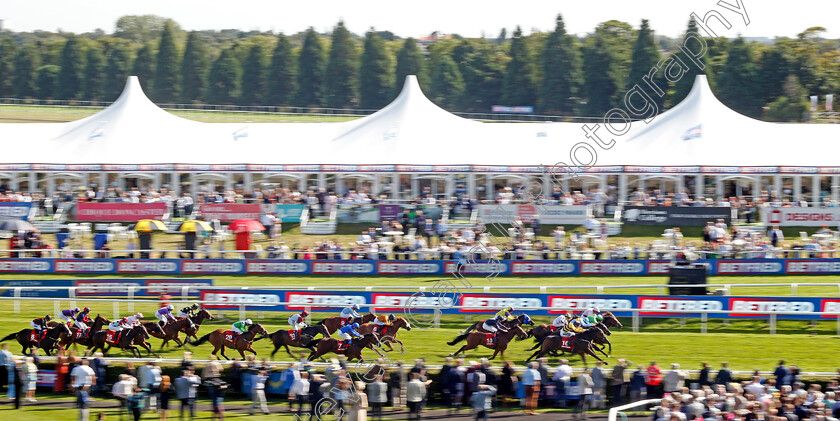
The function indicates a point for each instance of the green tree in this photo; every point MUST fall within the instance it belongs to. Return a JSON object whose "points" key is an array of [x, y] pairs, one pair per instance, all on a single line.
{"points": [[447, 83], [194, 69], [410, 61], [482, 69], [224, 79], [47, 81], [116, 70], [519, 87], [561, 76], [7, 58], [737, 85], [774, 66], [72, 65], [683, 86], [375, 75], [94, 74], [25, 72], [281, 73], [167, 84], [791, 106], [644, 58], [342, 69], [141, 29], [601, 76], [253, 76], [144, 67], [310, 71]]}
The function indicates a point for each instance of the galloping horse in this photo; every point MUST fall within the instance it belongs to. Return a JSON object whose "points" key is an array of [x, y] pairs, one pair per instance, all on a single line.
{"points": [[48, 343], [197, 319], [170, 332], [125, 342], [520, 320], [282, 338], [351, 351], [389, 332], [334, 323], [66, 340], [476, 339], [543, 331], [582, 344], [221, 339], [154, 330]]}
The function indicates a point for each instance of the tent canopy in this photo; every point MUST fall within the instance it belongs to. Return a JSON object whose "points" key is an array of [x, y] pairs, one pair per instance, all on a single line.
{"points": [[413, 131]]}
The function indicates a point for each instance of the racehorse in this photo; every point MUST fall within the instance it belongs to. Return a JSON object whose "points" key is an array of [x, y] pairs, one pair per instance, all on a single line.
{"points": [[171, 331], [521, 320], [154, 330], [543, 331], [334, 323], [66, 340], [498, 344], [125, 341], [220, 339], [47, 343], [351, 351], [389, 332], [282, 338], [202, 315], [582, 344]]}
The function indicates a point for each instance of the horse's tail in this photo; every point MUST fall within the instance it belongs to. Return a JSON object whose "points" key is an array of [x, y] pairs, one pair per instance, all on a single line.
{"points": [[201, 340], [313, 343], [11, 336], [458, 338], [472, 327], [321, 322], [538, 344]]}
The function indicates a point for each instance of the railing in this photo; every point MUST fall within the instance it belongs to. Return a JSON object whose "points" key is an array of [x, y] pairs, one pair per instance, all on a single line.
{"points": [[615, 412]]}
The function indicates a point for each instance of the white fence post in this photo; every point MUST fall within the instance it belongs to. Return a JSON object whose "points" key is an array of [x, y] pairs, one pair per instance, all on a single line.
{"points": [[116, 310], [242, 312], [71, 293], [130, 294], [704, 317], [772, 324], [57, 308], [17, 300], [635, 322]]}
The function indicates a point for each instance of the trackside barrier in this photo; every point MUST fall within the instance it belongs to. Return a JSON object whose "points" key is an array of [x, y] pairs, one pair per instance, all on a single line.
{"points": [[635, 313], [617, 411]]}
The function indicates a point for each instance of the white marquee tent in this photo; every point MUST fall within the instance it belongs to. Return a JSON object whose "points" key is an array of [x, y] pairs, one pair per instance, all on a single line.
{"points": [[410, 140]]}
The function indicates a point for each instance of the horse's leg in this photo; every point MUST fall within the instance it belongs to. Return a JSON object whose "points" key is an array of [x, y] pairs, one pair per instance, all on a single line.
{"points": [[288, 350], [162, 344], [463, 348], [592, 353], [495, 352]]}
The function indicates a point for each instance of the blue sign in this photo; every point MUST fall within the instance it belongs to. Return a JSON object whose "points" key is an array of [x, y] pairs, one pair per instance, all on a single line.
{"points": [[15, 210], [104, 287]]}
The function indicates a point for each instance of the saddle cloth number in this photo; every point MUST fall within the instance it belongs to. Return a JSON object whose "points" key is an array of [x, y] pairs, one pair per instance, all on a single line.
{"points": [[566, 343], [489, 339], [112, 337], [293, 335], [82, 333], [229, 334], [343, 345]]}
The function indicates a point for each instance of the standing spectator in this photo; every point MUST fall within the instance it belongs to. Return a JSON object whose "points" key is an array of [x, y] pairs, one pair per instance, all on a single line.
{"points": [[585, 384], [653, 381], [155, 377], [781, 374], [776, 236], [5, 363], [31, 371], [164, 393], [185, 391], [100, 364], [414, 394], [16, 388], [235, 378], [123, 389], [506, 383], [443, 376], [136, 403], [398, 386], [542, 367], [216, 391], [83, 377], [674, 380], [482, 401], [258, 392], [562, 378], [299, 392], [618, 382], [315, 391], [531, 380], [637, 384], [358, 403], [212, 370], [598, 386], [703, 380], [724, 376], [377, 392]]}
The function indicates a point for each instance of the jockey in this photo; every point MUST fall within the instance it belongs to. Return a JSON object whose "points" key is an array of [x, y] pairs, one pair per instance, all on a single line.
{"points": [[82, 319], [40, 323], [591, 311], [350, 312], [560, 321], [241, 327], [383, 320], [134, 319], [119, 325], [590, 321], [349, 332], [298, 321], [494, 326], [505, 315], [188, 311], [574, 326], [68, 315], [165, 315]]}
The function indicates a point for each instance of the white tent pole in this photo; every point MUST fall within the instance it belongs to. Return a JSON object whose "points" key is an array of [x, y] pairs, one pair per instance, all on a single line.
{"points": [[815, 189], [395, 186], [377, 184], [471, 184], [50, 185], [680, 183], [302, 183], [194, 186], [699, 186], [622, 188], [339, 184], [835, 189], [322, 180], [797, 187], [718, 188], [415, 187], [103, 182], [450, 186], [757, 187], [488, 190]]}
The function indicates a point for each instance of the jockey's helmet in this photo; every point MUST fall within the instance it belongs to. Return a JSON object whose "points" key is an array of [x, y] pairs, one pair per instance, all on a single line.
{"points": [[391, 317], [76, 310], [195, 306], [48, 317], [596, 309], [304, 313], [599, 318], [170, 307], [355, 325], [356, 307], [510, 309], [248, 322], [87, 309], [139, 315]]}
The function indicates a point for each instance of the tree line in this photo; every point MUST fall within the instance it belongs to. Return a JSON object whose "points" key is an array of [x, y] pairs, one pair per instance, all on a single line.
{"points": [[556, 72]]}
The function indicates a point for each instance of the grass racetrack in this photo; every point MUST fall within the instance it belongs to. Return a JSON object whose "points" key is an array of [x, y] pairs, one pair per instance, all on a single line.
{"points": [[746, 344]]}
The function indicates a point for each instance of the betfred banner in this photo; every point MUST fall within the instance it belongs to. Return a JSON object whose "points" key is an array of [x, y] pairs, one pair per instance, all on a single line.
{"points": [[548, 214], [289, 213], [227, 212], [801, 217], [15, 210], [119, 212], [103, 287], [674, 215], [25, 266], [551, 305]]}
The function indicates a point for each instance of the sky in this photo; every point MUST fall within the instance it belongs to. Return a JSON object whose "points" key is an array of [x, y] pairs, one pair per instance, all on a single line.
{"points": [[469, 18]]}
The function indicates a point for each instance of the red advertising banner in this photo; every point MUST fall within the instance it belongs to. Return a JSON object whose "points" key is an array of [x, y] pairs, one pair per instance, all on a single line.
{"points": [[126, 212], [227, 212]]}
